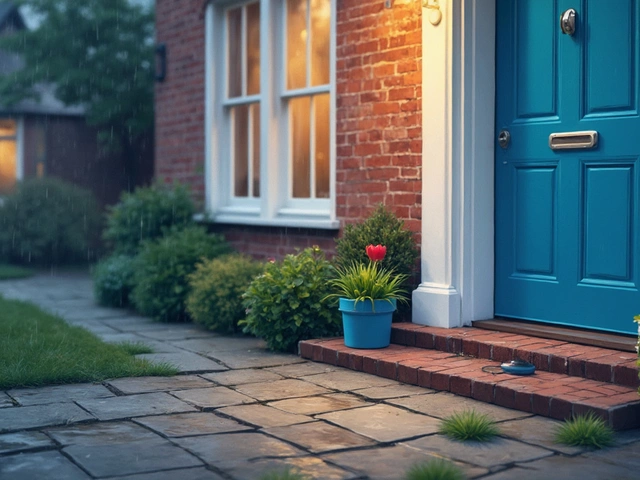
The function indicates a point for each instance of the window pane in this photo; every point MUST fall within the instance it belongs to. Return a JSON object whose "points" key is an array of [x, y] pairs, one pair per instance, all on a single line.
{"points": [[7, 165], [253, 49], [321, 107], [234, 52], [296, 44], [320, 29], [299, 109], [255, 114], [240, 150]]}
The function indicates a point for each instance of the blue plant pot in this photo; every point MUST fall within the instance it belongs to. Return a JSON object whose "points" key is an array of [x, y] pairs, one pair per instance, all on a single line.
{"points": [[367, 324]]}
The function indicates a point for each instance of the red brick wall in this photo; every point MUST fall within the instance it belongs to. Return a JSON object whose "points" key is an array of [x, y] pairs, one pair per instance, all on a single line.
{"points": [[378, 115]]}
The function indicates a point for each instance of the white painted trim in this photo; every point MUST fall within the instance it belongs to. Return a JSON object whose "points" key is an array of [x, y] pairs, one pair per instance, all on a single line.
{"points": [[458, 81]]}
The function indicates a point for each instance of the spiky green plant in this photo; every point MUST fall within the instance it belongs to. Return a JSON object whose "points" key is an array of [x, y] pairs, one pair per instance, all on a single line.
{"points": [[585, 430], [438, 469], [286, 474], [469, 425]]}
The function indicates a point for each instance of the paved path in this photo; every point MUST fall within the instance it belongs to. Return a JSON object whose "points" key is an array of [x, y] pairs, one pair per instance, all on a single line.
{"points": [[238, 411]]}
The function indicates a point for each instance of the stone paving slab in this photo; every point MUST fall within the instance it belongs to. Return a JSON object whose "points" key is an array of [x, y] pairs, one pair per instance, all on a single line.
{"points": [[229, 450], [135, 406], [59, 393], [158, 384], [255, 358], [565, 468], [263, 416], [107, 433], [175, 333], [627, 457], [392, 391], [197, 473], [280, 389], [5, 400], [321, 404], [213, 397], [384, 423], [239, 377], [185, 362], [500, 451], [348, 380], [537, 431], [19, 418], [21, 441], [309, 467], [319, 437], [190, 424], [97, 328], [214, 343], [130, 458], [302, 369], [443, 405], [40, 465], [390, 463]]}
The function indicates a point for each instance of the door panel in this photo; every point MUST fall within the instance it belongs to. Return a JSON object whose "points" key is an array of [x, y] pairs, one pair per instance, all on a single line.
{"points": [[567, 228]]}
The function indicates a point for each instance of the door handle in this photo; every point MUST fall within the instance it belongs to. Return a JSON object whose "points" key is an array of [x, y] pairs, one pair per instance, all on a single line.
{"points": [[568, 21], [504, 138]]}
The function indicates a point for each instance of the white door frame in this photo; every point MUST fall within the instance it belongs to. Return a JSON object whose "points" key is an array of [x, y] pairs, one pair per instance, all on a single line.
{"points": [[458, 104]]}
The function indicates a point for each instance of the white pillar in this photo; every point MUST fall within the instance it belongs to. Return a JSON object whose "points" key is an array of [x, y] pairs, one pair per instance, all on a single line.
{"points": [[458, 81]]}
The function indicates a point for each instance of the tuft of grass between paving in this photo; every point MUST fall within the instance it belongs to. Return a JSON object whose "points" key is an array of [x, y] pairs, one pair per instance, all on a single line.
{"points": [[438, 469], [37, 348], [286, 474], [13, 272], [585, 430], [469, 425]]}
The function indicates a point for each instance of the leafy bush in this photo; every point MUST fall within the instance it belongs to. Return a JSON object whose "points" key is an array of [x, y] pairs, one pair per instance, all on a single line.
{"points": [[113, 280], [48, 221], [216, 289], [585, 430], [382, 228], [286, 304], [469, 425], [162, 268], [437, 469], [145, 214]]}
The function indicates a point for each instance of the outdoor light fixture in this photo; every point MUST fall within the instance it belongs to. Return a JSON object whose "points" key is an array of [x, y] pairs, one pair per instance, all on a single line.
{"points": [[435, 15], [161, 62]]}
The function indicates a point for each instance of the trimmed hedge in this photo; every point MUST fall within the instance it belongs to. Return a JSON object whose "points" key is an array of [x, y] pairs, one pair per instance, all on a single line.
{"points": [[288, 302], [162, 268], [216, 289], [48, 221]]}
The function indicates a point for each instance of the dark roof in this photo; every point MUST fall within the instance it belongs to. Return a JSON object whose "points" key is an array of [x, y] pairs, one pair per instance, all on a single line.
{"points": [[9, 14]]}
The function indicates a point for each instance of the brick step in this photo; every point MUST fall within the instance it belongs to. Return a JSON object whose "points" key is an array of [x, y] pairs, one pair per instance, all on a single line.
{"points": [[555, 356], [555, 395]]}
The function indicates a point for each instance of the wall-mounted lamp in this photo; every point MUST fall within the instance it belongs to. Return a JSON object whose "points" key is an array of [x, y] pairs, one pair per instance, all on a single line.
{"points": [[435, 15], [161, 62]]}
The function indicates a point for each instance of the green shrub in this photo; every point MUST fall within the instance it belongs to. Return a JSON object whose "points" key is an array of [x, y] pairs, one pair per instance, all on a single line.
{"points": [[145, 214], [585, 430], [286, 304], [113, 280], [469, 425], [216, 288], [437, 469], [49, 222], [381, 228], [162, 268]]}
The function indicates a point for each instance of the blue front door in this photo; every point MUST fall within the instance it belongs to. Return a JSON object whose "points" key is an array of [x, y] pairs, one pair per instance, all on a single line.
{"points": [[568, 217]]}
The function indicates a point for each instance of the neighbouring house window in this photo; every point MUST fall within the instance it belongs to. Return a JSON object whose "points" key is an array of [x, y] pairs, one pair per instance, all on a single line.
{"points": [[271, 116], [8, 155]]}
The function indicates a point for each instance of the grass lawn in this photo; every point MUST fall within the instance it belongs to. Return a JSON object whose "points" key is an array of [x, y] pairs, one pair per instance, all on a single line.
{"points": [[37, 348], [8, 272]]}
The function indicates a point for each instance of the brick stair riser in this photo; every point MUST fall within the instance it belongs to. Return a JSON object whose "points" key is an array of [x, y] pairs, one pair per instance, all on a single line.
{"points": [[547, 355]]}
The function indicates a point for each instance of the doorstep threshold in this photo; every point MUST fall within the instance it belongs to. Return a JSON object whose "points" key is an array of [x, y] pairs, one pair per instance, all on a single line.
{"points": [[625, 343]]}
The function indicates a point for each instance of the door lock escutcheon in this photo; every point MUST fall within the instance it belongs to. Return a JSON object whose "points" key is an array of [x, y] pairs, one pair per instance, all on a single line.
{"points": [[504, 138], [568, 21]]}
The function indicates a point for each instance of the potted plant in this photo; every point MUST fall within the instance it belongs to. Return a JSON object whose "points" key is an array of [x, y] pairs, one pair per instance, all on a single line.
{"points": [[368, 294]]}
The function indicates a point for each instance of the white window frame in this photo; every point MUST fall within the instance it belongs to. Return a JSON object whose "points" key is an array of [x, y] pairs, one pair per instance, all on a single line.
{"points": [[274, 207]]}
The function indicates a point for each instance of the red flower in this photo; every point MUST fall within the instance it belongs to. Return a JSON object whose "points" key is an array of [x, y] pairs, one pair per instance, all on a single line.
{"points": [[376, 253]]}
